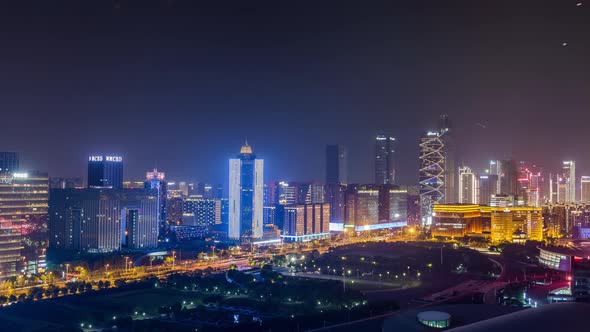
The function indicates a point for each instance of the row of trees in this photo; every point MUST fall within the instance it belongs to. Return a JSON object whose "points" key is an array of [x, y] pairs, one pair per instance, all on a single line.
{"points": [[52, 291]]}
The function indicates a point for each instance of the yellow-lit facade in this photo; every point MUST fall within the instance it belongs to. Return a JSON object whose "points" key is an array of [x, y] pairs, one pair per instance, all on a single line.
{"points": [[500, 223]]}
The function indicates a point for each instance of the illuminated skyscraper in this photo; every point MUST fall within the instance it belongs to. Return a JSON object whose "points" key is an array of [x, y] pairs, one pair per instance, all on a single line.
{"points": [[468, 188], [496, 169], [105, 172], [509, 180], [384, 160], [569, 176], [450, 169], [393, 204], [103, 220], [336, 164], [204, 210], [585, 189], [23, 221], [336, 180], [245, 195], [157, 181], [287, 193], [488, 186], [431, 173]]}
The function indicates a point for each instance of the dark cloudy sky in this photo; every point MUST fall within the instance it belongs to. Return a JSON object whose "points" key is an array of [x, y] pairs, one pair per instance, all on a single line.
{"points": [[180, 84]]}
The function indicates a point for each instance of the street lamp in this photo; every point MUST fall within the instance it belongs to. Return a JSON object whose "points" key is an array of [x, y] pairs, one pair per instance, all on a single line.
{"points": [[126, 263], [67, 270]]}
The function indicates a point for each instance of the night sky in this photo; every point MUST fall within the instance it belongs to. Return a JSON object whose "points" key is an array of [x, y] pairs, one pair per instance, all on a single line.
{"points": [[180, 85]]}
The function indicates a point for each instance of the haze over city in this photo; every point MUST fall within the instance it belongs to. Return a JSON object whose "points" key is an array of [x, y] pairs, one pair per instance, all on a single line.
{"points": [[178, 84]]}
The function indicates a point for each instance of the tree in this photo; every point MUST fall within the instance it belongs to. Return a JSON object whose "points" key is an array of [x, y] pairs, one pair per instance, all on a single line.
{"points": [[21, 297], [107, 284], [88, 287], [3, 299], [100, 284], [120, 283]]}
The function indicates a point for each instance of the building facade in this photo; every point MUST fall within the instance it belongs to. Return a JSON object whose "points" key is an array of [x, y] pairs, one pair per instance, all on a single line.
{"points": [[9, 162], [468, 186], [105, 172], [569, 179], [245, 196], [23, 219], [431, 174], [156, 181], [101, 220], [336, 164], [585, 189], [384, 160], [306, 222]]}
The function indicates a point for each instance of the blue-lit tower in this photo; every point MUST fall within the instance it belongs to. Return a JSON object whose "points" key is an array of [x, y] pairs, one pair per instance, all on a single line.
{"points": [[245, 195]]}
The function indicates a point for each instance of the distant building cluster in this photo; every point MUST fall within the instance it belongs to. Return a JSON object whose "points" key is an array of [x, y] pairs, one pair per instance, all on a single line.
{"points": [[508, 201]]}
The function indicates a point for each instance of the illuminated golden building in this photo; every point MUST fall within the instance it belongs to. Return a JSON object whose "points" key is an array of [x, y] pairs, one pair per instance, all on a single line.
{"points": [[534, 227], [503, 226], [456, 220], [500, 223]]}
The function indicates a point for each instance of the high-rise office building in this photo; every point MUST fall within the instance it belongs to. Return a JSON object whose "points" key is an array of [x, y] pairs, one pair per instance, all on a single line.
{"points": [[23, 220], [384, 160], [468, 187], [174, 210], [488, 186], [562, 194], [362, 205], [509, 180], [447, 134], [105, 172], [585, 189], [103, 220], [393, 204], [306, 222], [335, 196], [204, 210], [245, 195], [569, 175], [496, 169], [336, 164], [157, 181], [9, 162], [287, 193], [431, 174], [139, 220]]}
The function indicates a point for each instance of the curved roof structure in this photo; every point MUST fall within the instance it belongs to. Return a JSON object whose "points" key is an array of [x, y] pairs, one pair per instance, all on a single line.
{"points": [[551, 317]]}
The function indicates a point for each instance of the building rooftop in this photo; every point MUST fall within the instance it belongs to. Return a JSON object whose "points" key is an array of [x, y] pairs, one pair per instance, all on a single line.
{"points": [[246, 149], [552, 317]]}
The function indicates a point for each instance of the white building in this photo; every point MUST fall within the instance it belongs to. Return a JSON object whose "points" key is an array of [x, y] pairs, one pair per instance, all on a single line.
{"points": [[246, 187], [585, 189], [569, 175], [468, 188]]}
